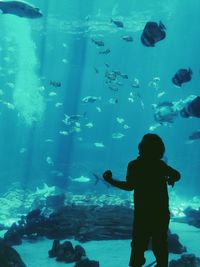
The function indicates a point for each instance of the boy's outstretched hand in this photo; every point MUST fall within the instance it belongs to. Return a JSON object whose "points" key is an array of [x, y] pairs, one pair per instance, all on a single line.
{"points": [[107, 175]]}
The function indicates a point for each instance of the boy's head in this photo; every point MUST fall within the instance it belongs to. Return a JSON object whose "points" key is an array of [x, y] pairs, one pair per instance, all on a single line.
{"points": [[151, 146]]}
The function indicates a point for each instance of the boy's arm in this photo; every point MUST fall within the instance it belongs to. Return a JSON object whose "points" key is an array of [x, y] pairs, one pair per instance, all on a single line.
{"points": [[124, 185], [173, 175]]}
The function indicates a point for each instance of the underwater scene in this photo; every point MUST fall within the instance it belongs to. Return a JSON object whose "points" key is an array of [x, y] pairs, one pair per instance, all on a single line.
{"points": [[81, 82]]}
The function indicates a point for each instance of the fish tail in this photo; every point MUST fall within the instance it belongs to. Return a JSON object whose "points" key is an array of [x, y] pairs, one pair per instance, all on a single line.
{"points": [[97, 178]]}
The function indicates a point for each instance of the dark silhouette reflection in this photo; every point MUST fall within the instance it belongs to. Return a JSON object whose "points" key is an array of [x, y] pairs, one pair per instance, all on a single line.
{"points": [[148, 176]]}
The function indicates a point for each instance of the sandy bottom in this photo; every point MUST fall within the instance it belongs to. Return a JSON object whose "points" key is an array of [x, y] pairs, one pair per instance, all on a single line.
{"points": [[113, 253]]}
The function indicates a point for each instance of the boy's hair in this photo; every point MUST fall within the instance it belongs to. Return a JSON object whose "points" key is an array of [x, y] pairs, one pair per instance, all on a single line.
{"points": [[151, 146]]}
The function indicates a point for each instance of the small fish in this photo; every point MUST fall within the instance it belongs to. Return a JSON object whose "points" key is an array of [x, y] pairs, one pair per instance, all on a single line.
{"points": [[22, 150], [98, 109], [105, 52], [89, 125], [182, 76], [126, 127], [154, 127], [49, 140], [153, 33], [64, 45], [98, 42], [135, 83], [113, 100], [49, 160], [58, 104], [64, 133], [64, 60], [195, 135], [99, 144], [55, 83], [81, 179], [120, 120], [161, 94], [90, 99], [52, 94], [117, 135], [127, 38], [96, 70], [118, 23], [8, 105], [20, 9], [124, 76], [69, 119], [113, 88], [111, 75]]}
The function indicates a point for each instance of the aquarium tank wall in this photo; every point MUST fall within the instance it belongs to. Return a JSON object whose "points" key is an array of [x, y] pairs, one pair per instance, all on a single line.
{"points": [[81, 82]]}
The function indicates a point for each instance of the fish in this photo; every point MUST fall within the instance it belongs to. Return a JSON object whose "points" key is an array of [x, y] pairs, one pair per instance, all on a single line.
{"points": [[64, 133], [55, 83], [20, 9], [49, 160], [127, 38], [120, 120], [98, 109], [118, 23], [90, 99], [153, 33], [135, 83], [182, 76], [111, 75], [165, 112], [52, 93], [89, 125], [58, 104], [113, 101], [98, 42], [81, 179], [69, 119], [96, 70], [105, 52], [195, 135], [117, 135], [124, 76], [98, 144]]}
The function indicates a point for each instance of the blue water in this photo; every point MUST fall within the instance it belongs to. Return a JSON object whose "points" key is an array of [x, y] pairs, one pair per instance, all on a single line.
{"points": [[34, 145]]}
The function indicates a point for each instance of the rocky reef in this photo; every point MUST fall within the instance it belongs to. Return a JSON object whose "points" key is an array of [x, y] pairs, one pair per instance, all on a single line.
{"points": [[9, 256], [187, 260], [84, 223], [192, 217]]}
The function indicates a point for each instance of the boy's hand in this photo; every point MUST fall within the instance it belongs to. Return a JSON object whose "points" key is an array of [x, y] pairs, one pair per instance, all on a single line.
{"points": [[107, 175], [171, 182]]}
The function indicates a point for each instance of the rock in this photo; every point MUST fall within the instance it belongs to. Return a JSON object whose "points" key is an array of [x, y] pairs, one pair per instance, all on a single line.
{"points": [[187, 260], [174, 245], [87, 263], [55, 248], [192, 217], [9, 257]]}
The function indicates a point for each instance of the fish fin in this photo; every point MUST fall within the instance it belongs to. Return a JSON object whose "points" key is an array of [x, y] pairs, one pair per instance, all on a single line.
{"points": [[1, 11], [161, 25], [190, 71]]}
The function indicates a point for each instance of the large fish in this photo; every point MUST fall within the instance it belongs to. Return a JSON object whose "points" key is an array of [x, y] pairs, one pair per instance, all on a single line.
{"points": [[153, 33], [20, 9], [182, 76]]}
